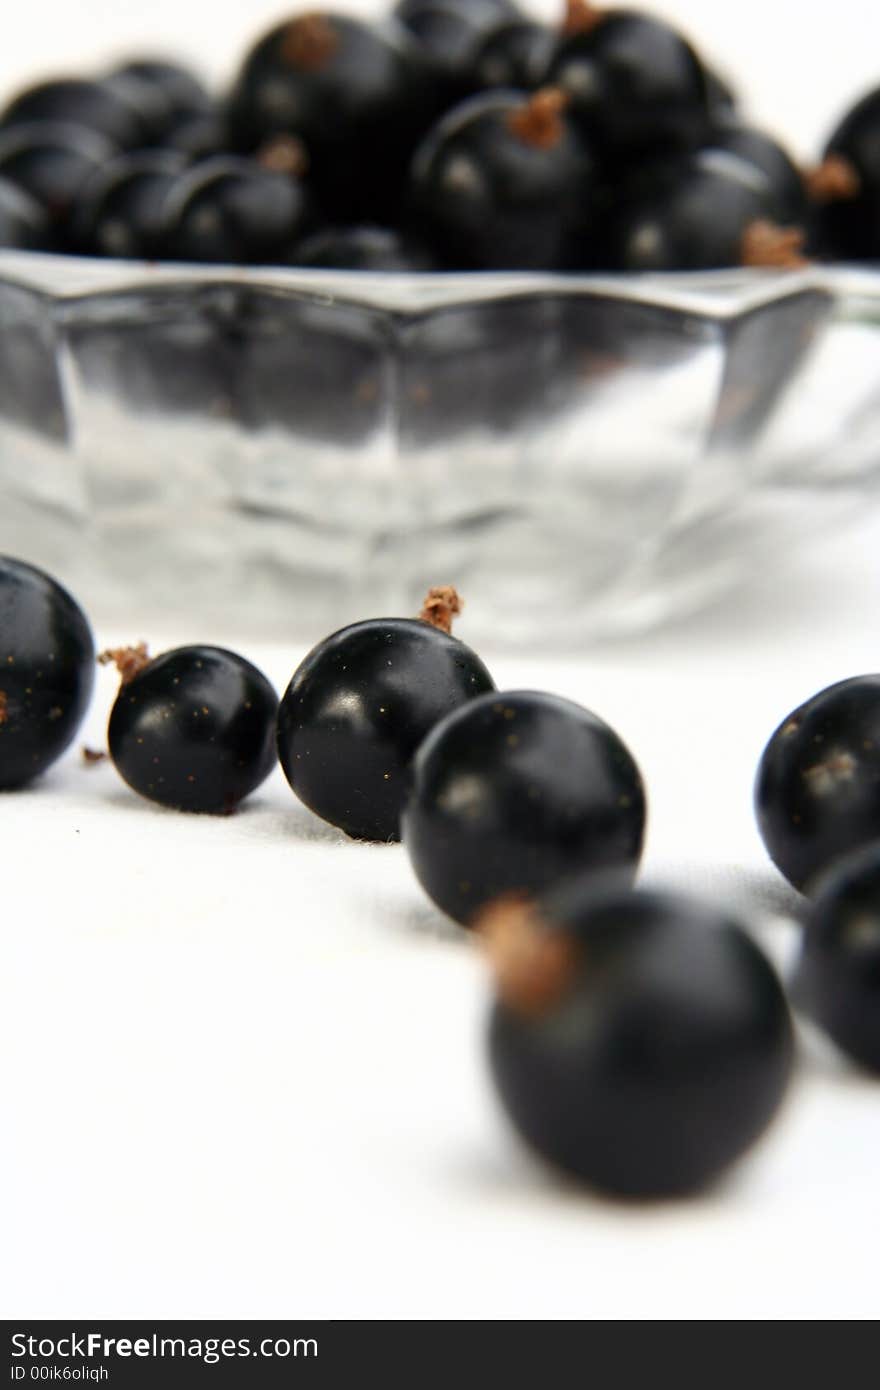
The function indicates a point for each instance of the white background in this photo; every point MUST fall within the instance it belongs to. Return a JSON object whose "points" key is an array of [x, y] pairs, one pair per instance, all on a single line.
{"points": [[241, 1066]]}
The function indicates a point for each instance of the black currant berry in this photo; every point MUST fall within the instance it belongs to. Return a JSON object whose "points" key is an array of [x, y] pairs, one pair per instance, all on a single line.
{"points": [[356, 97], [75, 101], [514, 56], [168, 93], [515, 792], [47, 668], [641, 1042], [362, 248], [837, 982], [120, 211], [706, 212], [503, 182], [53, 162], [817, 793], [193, 729], [848, 185], [634, 83], [787, 202], [198, 137], [23, 223], [721, 97], [450, 34], [491, 11], [233, 210], [360, 705]]}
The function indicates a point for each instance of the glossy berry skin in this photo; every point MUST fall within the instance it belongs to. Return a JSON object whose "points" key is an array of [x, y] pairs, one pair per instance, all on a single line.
{"points": [[356, 710], [357, 97], [232, 210], [492, 11], [362, 248], [787, 202], [837, 981], [169, 93], [516, 792], [450, 34], [721, 97], [53, 163], [851, 226], [198, 137], [817, 791], [120, 211], [47, 667], [491, 198], [194, 730], [691, 215], [23, 224], [665, 1056], [95, 105], [514, 56], [634, 83]]}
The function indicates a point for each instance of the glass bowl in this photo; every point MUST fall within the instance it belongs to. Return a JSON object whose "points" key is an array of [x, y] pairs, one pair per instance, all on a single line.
{"points": [[280, 451]]}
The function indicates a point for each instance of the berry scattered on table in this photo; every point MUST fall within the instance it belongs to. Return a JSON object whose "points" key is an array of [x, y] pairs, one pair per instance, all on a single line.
{"points": [[193, 728], [516, 791], [46, 671], [817, 791], [639, 1041], [359, 706], [837, 981]]}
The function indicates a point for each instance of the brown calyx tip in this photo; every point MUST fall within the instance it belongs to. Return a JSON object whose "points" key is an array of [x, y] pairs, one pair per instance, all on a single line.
{"points": [[4, 708], [91, 756], [129, 661], [764, 244], [309, 42], [441, 605], [581, 17], [533, 964], [538, 121], [284, 154], [835, 180]]}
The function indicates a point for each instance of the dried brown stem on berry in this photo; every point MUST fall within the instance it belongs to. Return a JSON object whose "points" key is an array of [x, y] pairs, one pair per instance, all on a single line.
{"points": [[284, 154], [4, 708], [533, 965], [129, 661], [581, 17], [309, 43], [835, 180], [538, 121], [92, 756], [441, 605], [766, 245]]}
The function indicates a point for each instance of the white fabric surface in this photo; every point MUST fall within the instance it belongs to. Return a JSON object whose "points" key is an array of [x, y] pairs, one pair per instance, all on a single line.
{"points": [[241, 1069]]}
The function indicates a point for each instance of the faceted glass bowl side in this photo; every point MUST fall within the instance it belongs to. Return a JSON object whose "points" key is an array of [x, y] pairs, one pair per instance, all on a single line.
{"points": [[282, 451]]}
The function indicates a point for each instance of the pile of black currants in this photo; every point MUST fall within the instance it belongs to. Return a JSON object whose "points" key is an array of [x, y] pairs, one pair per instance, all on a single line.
{"points": [[452, 135], [639, 1041]]}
